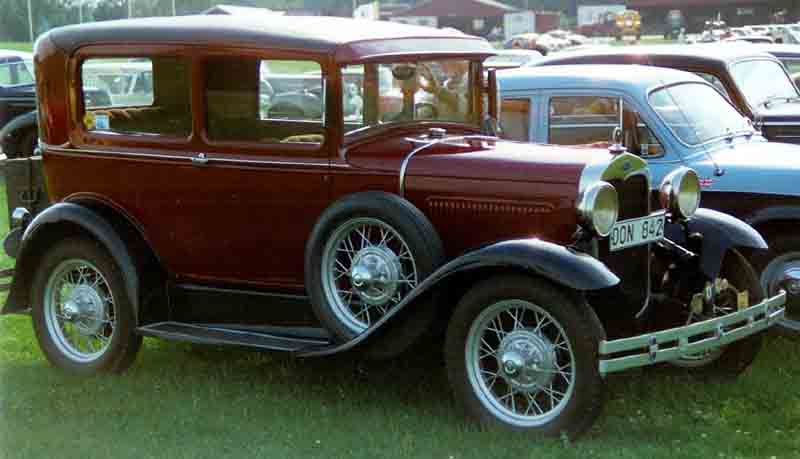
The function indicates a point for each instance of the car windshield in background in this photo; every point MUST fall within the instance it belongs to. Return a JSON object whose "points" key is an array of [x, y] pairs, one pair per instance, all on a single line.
{"points": [[376, 94], [516, 59], [763, 81], [697, 113], [16, 73]]}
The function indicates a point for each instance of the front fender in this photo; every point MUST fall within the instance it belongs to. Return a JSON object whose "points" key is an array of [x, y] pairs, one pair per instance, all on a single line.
{"points": [[14, 131], [559, 264], [49, 220], [720, 232]]}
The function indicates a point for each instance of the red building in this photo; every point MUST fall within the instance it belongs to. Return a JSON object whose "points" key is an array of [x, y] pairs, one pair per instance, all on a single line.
{"points": [[476, 17]]}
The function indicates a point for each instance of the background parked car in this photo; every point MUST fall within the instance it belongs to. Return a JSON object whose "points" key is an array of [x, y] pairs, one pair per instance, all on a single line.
{"points": [[17, 93], [670, 118], [756, 82]]}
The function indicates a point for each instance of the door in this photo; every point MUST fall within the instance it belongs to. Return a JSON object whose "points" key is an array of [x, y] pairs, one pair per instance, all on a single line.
{"points": [[258, 182]]}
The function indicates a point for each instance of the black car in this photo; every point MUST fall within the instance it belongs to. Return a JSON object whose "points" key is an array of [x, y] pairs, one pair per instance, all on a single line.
{"points": [[17, 100], [755, 81]]}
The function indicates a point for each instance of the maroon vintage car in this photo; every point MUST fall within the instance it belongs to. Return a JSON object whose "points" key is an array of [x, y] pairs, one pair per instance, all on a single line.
{"points": [[205, 211]]}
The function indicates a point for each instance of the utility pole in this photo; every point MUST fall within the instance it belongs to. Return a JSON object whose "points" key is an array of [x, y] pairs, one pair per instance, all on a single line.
{"points": [[30, 20], [130, 9], [80, 11], [174, 12]]}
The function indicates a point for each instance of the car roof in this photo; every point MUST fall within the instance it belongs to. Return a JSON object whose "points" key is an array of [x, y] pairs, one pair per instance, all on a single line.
{"points": [[780, 50], [624, 78], [719, 53], [7, 53], [347, 39]]}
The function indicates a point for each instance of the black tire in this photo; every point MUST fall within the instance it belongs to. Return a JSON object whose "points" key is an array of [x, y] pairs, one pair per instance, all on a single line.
{"points": [[403, 217], [583, 331], [737, 356], [785, 245], [124, 343]]}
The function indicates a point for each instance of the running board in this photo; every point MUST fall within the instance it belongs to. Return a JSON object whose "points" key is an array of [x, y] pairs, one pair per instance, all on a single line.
{"points": [[287, 339]]}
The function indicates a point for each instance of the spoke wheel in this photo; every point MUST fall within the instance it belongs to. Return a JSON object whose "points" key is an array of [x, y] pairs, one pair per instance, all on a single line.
{"points": [[82, 313], [368, 268], [520, 363], [521, 354], [79, 310]]}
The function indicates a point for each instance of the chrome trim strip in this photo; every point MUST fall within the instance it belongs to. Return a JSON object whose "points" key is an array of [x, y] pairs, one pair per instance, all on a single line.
{"points": [[776, 123], [428, 144], [747, 322], [187, 158]]}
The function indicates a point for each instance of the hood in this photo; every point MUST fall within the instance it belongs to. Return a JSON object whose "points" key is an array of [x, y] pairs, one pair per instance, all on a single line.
{"points": [[510, 161], [780, 112], [26, 91], [756, 167]]}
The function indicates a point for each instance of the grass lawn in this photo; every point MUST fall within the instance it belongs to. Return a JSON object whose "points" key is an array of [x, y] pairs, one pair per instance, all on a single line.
{"points": [[217, 403], [19, 46]]}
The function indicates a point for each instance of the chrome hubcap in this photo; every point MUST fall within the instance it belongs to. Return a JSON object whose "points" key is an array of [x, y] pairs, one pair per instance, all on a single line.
{"points": [[374, 274], [783, 272], [527, 360], [79, 310], [368, 268], [520, 363]]}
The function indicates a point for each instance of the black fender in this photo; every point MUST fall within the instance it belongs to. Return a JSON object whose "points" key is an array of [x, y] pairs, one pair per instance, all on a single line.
{"points": [[561, 265], [14, 131], [720, 232], [89, 222]]}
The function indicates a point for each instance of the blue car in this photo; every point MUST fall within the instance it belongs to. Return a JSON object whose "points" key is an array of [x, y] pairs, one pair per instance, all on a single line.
{"points": [[671, 118]]}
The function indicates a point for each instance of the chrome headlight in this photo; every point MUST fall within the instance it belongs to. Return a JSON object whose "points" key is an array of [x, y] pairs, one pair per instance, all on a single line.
{"points": [[598, 208], [680, 192]]}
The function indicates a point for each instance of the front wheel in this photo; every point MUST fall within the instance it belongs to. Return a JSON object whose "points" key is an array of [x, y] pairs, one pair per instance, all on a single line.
{"points": [[734, 358], [522, 354], [83, 319], [780, 269]]}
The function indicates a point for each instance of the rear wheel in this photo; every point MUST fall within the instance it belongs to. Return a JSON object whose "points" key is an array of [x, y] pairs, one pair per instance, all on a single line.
{"points": [[780, 268], [81, 314], [522, 354]]}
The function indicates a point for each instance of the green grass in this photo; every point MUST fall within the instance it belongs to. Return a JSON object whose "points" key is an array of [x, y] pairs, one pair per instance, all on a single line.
{"points": [[179, 402], [19, 46]]}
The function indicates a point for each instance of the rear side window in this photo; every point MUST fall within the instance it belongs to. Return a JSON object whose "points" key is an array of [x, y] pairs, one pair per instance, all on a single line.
{"points": [[515, 117], [15, 73], [578, 120], [264, 101], [138, 95]]}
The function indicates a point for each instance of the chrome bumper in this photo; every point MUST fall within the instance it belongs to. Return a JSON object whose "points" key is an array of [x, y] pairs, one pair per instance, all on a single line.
{"points": [[671, 344]]}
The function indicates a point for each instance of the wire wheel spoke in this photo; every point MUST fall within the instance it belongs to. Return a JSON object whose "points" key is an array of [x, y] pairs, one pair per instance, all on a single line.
{"points": [[520, 362], [368, 268], [79, 310]]}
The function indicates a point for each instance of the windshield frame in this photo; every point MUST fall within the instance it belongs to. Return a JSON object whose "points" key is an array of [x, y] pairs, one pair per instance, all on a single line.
{"points": [[757, 107], [476, 93], [675, 135]]}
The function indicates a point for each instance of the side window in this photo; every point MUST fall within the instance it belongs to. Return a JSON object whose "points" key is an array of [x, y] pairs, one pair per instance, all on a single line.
{"points": [[637, 136], [5, 75], [580, 120], [515, 118], [275, 101], [793, 65], [115, 101]]}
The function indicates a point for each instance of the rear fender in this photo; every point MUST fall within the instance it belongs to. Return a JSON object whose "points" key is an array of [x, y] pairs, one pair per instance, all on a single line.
{"points": [[39, 231], [563, 266]]}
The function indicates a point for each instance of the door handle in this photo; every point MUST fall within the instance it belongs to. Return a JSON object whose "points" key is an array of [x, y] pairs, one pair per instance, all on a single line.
{"points": [[200, 159]]}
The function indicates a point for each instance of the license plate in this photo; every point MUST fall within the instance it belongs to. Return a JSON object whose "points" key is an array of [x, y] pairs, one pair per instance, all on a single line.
{"points": [[636, 231]]}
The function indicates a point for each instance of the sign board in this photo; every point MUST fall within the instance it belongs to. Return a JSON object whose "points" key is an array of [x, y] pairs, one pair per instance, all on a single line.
{"points": [[517, 23], [596, 14]]}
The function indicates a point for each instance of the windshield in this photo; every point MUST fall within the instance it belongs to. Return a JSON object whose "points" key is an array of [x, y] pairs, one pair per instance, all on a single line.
{"points": [[762, 81], [377, 94], [519, 59], [697, 113]]}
